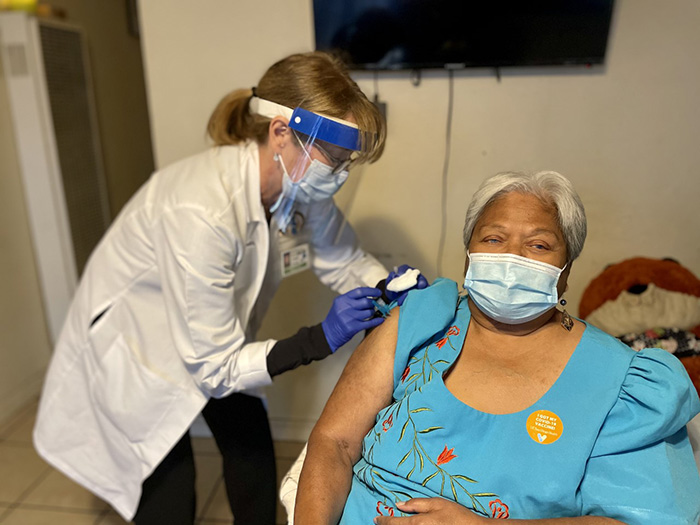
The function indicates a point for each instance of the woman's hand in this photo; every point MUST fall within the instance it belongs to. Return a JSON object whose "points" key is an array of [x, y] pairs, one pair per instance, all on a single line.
{"points": [[438, 511], [431, 511]]}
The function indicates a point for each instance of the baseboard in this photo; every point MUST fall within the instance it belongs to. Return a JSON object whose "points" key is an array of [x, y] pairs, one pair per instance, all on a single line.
{"points": [[291, 429], [283, 428]]}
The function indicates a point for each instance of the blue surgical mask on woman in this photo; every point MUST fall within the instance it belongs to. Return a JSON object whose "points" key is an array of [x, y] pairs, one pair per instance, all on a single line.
{"points": [[509, 288]]}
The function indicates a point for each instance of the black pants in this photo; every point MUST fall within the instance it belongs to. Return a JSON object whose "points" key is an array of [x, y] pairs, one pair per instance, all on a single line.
{"points": [[242, 433]]}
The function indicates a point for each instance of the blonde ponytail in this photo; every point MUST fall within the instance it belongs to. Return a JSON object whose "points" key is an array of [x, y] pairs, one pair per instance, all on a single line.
{"points": [[232, 123]]}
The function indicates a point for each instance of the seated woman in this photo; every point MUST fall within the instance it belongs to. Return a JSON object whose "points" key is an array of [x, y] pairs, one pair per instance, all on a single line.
{"points": [[459, 409]]}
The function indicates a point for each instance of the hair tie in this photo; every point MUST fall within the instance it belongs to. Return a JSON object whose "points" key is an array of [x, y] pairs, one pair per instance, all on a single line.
{"points": [[254, 90]]}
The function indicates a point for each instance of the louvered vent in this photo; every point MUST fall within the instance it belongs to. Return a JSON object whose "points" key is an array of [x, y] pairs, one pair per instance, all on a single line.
{"points": [[77, 139]]}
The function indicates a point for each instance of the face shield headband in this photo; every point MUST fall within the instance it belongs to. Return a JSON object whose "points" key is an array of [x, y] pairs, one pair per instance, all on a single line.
{"points": [[308, 180], [335, 131]]}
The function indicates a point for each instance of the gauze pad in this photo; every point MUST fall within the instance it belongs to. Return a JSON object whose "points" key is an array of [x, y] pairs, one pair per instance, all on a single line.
{"points": [[404, 281]]}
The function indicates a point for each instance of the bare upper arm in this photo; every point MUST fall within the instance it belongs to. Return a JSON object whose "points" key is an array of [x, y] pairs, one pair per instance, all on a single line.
{"points": [[364, 388]]}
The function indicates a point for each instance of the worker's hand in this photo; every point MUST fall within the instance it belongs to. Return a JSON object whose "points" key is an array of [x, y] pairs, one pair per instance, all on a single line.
{"points": [[400, 296], [351, 313]]}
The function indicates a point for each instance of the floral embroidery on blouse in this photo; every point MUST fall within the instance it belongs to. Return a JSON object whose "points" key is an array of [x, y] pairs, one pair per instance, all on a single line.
{"points": [[423, 468], [382, 507], [388, 422], [446, 456], [499, 509]]}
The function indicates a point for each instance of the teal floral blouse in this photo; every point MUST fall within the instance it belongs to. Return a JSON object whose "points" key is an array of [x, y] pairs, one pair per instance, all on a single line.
{"points": [[607, 439]]}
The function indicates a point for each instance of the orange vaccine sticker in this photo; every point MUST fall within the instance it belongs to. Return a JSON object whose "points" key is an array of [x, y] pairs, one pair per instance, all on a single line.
{"points": [[544, 427]]}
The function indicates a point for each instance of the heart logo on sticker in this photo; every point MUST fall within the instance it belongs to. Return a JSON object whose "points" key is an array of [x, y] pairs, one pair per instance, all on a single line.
{"points": [[544, 427]]}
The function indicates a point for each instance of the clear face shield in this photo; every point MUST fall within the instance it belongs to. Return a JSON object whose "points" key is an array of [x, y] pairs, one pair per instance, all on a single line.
{"points": [[328, 149]]}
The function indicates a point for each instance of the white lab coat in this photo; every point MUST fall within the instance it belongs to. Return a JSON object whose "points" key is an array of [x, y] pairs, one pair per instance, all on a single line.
{"points": [[165, 315]]}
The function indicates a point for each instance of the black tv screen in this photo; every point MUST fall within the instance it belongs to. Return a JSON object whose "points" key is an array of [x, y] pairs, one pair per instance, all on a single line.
{"points": [[427, 34]]}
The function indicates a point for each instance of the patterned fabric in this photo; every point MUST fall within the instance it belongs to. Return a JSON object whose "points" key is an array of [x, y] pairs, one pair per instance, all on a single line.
{"points": [[680, 343], [566, 455]]}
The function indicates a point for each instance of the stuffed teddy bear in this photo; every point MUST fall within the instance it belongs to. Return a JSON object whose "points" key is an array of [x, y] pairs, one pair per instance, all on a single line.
{"points": [[639, 293], [650, 303]]}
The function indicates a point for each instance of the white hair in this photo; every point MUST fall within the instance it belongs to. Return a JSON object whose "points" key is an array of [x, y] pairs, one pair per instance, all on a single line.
{"points": [[550, 187]]}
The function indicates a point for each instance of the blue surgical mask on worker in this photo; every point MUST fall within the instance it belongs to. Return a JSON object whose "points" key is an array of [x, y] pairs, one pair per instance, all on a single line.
{"points": [[318, 183], [509, 288]]}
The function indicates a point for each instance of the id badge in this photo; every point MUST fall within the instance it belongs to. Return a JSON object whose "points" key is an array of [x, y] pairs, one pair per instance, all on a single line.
{"points": [[294, 249], [295, 260]]}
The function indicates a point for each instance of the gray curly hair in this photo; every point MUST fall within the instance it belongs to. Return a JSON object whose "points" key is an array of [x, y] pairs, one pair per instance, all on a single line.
{"points": [[550, 187]]}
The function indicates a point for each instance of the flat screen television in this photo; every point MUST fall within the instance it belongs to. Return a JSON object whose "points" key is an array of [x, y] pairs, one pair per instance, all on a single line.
{"points": [[430, 34]]}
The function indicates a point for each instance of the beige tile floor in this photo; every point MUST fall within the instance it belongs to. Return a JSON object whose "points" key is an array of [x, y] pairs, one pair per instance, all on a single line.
{"points": [[33, 493]]}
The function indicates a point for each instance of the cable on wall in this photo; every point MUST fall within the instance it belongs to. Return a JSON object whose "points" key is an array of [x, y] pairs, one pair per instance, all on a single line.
{"points": [[445, 169]]}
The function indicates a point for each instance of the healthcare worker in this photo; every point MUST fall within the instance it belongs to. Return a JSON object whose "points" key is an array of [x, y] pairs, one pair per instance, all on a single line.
{"points": [[162, 326]]}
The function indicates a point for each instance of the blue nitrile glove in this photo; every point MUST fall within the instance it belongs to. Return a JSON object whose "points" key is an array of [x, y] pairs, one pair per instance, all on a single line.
{"points": [[351, 313], [399, 297]]}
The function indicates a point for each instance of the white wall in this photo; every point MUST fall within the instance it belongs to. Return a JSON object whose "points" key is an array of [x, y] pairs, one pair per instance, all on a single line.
{"points": [[24, 336], [626, 134]]}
